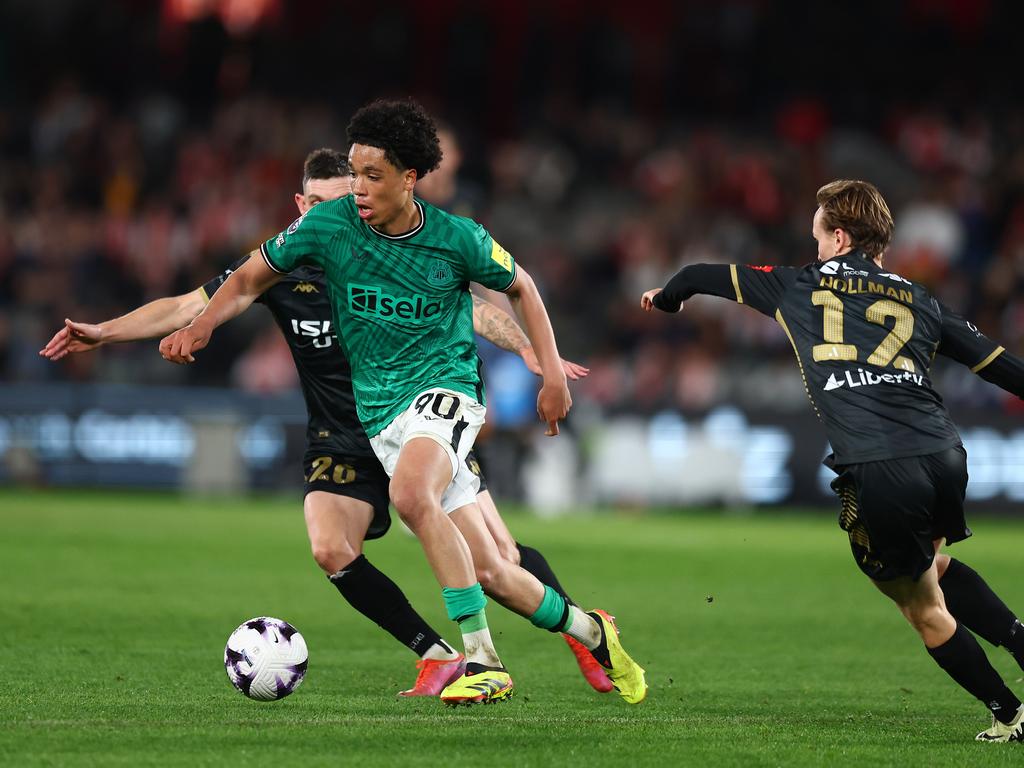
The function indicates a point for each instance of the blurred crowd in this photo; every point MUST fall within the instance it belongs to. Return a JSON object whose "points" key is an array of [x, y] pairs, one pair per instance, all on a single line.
{"points": [[106, 203]]}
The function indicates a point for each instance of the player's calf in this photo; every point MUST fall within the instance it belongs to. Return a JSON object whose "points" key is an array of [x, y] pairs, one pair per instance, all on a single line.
{"points": [[975, 605]]}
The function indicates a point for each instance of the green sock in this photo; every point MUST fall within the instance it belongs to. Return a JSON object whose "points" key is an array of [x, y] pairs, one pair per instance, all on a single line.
{"points": [[473, 623], [552, 612], [463, 601]]}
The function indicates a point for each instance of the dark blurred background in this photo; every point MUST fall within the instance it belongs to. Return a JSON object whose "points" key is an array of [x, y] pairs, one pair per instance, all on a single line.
{"points": [[143, 146]]}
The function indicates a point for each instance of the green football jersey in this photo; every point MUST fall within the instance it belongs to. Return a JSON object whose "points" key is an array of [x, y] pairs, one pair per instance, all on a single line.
{"points": [[402, 308]]}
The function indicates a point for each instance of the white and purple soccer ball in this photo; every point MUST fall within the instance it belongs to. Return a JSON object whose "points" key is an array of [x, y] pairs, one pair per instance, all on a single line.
{"points": [[266, 658]]}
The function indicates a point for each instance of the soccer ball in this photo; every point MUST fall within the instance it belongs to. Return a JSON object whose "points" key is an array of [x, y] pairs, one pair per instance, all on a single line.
{"points": [[266, 658]]}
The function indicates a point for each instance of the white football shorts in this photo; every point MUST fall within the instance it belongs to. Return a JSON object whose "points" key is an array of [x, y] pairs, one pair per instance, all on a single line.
{"points": [[452, 420]]}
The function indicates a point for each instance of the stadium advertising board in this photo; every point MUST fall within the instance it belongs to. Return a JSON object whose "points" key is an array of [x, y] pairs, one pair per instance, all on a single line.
{"points": [[66, 435]]}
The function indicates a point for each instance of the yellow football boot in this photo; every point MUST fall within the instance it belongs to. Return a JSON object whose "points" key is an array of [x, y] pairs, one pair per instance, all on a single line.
{"points": [[626, 675], [479, 685]]}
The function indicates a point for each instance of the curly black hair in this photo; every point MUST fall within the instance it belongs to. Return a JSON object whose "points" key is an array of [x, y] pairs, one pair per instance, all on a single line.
{"points": [[403, 129], [324, 163]]}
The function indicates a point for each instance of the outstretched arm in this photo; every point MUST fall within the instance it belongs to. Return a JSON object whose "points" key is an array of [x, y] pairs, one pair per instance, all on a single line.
{"points": [[695, 278], [761, 287], [499, 328], [1006, 371], [154, 319], [554, 401], [962, 341], [240, 290]]}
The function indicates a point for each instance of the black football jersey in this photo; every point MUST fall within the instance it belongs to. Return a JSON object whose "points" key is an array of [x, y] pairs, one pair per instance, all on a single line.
{"points": [[302, 310], [864, 339]]}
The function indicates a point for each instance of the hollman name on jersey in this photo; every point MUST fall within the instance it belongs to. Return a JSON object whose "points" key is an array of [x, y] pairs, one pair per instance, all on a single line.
{"points": [[864, 285], [855, 280]]}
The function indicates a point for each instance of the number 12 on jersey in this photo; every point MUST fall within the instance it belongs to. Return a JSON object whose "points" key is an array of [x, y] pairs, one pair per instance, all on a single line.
{"points": [[878, 313]]}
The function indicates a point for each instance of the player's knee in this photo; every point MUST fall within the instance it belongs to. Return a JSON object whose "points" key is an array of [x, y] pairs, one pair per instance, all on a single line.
{"points": [[332, 556], [926, 617], [412, 503]]}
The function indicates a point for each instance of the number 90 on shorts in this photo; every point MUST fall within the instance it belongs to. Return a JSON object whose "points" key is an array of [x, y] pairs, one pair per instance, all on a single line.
{"points": [[442, 404], [450, 418]]}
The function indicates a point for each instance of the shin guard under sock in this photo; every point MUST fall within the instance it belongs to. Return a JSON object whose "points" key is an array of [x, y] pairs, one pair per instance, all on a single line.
{"points": [[963, 659], [379, 599]]}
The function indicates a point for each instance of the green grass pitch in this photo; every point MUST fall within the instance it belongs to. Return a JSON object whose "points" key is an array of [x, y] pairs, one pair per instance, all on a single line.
{"points": [[763, 643]]}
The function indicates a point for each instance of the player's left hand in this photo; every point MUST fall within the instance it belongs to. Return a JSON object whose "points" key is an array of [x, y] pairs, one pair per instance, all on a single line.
{"points": [[553, 404], [647, 300], [573, 371], [179, 346]]}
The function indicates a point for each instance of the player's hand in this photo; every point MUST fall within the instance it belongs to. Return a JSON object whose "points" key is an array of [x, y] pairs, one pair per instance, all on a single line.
{"points": [[647, 300], [73, 337], [573, 371], [553, 404], [179, 346]]}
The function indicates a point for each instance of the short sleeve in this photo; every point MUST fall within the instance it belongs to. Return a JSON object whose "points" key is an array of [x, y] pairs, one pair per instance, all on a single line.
{"points": [[299, 244], [488, 263]]}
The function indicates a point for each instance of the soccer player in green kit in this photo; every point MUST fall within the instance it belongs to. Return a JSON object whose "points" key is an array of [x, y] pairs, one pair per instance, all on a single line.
{"points": [[399, 271]]}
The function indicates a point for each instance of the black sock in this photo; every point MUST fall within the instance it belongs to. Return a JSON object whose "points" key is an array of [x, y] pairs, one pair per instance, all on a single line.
{"points": [[380, 600], [973, 603], [964, 660], [1015, 643], [533, 561]]}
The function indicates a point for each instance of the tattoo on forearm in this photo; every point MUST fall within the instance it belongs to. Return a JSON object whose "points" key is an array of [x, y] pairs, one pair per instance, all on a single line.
{"points": [[497, 327]]}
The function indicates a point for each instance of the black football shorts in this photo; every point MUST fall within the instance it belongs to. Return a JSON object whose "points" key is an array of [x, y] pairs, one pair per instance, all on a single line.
{"points": [[894, 509], [361, 478]]}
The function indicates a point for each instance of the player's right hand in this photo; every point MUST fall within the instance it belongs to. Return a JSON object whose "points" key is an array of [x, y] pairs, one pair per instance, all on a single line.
{"points": [[553, 404], [179, 346], [73, 337]]}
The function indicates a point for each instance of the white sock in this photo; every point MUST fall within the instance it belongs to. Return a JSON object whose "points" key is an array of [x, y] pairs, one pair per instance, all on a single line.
{"points": [[480, 648], [440, 652], [583, 628]]}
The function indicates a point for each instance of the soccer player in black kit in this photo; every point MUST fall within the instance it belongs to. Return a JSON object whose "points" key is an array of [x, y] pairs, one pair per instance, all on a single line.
{"points": [[346, 488], [864, 340]]}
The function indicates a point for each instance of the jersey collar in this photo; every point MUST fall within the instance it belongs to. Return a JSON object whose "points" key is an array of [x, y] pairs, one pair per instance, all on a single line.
{"points": [[850, 256], [411, 232]]}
